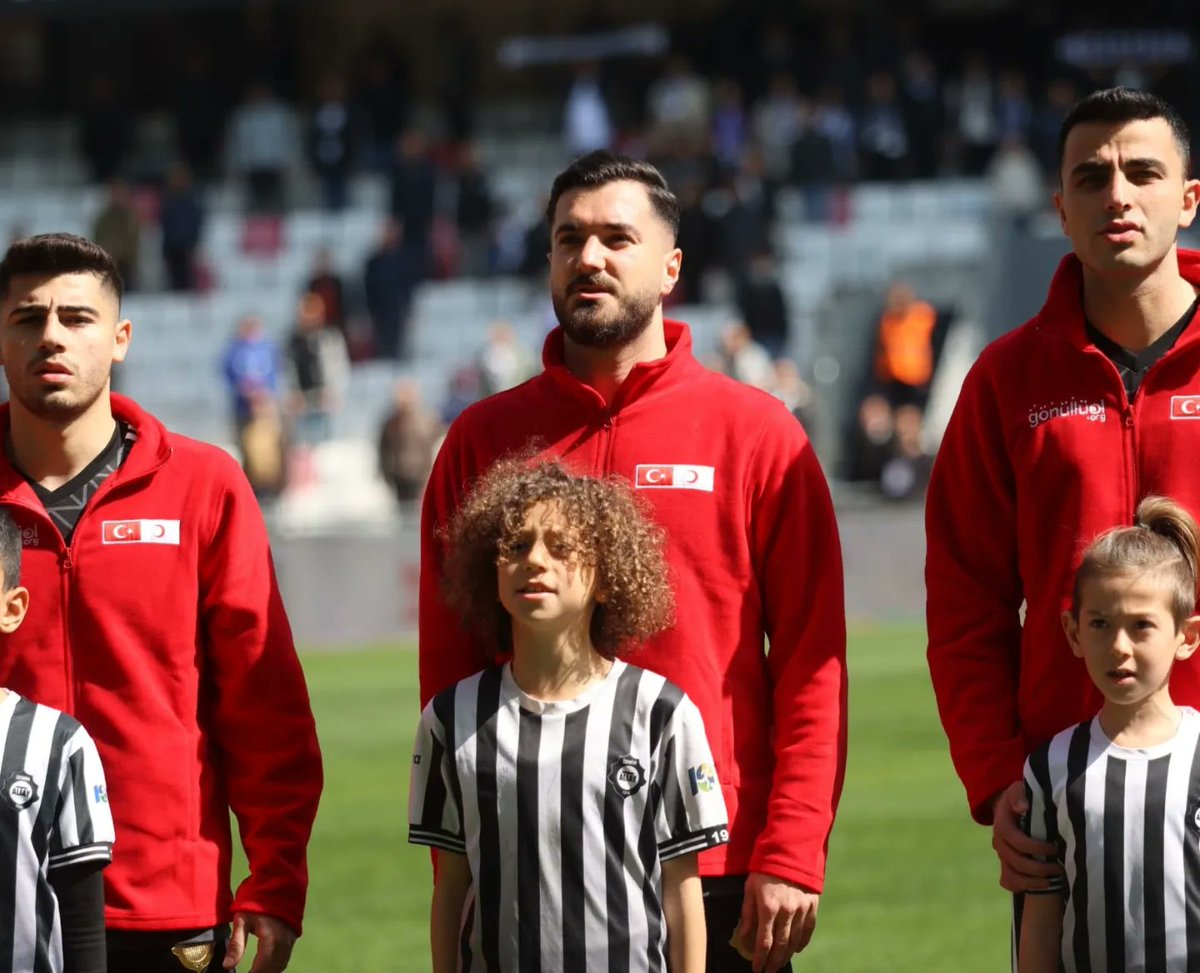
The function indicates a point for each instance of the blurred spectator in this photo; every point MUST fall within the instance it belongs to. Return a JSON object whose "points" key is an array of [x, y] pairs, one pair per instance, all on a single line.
{"points": [[250, 364], [870, 445], [1047, 122], [921, 94], [742, 358], [319, 366], [414, 191], [730, 130], [905, 473], [1016, 181], [777, 125], [475, 211], [388, 279], [741, 209], [677, 107], [462, 390], [503, 361], [1014, 114], [326, 283], [261, 145], [456, 63], [332, 140], [761, 303], [834, 121], [118, 231], [106, 129], [975, 112], [407, 440], [181, 219], [790, 389], [199, 113], [263, 445], [587, 122], [904, 347], [695, 239], [814, 168], [883, 134], [383, 98]]}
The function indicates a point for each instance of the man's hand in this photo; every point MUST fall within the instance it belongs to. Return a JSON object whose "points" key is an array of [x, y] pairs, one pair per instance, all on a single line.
{"points": [[778, 918], [1020, 869], [275, 941]]}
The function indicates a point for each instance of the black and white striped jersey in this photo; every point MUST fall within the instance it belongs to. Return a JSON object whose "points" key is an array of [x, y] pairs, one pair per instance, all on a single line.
{"points": [[1127, 824], [53, 813], [565, 811]]}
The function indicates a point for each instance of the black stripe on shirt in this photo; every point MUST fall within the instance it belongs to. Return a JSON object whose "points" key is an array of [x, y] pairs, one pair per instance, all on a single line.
{"points": [[1077, 763], [619, 741], [489, 820], [1154, 928], [1114, 863], [574, 898], [1191, 866], [529, 906]]}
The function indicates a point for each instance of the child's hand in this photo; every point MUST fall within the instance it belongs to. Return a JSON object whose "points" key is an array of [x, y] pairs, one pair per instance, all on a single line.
{"points": [[745, 944]]}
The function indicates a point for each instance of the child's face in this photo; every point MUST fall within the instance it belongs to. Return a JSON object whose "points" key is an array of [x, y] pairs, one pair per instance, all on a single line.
{"points": [[1127, 637], [541, 580]]}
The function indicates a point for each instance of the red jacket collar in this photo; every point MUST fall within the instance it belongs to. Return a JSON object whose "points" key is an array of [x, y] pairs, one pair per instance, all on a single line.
{"points": [[151, 451], [1063, 310], [668, 369]]}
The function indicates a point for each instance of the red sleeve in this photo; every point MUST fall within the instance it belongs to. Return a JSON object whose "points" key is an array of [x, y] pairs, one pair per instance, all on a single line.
{"points": [[447, 652], [798, 559], [974, 595], [261, 717]]}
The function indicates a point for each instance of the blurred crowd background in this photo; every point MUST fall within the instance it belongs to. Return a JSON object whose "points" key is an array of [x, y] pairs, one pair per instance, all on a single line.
{"points": [[329, 216]]}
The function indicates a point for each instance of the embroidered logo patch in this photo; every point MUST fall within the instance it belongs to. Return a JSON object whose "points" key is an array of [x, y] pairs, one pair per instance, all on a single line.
{"points": [[19, 790], [702, 778], [626, 775], [1185, 406]]}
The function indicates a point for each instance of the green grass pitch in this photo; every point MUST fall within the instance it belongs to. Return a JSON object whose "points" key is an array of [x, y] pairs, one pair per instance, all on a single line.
{"points": [[912, 882]]}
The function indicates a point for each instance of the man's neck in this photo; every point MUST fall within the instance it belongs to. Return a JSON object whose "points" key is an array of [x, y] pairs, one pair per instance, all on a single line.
{"points": [[604, 369], [1135, 314], [52, 454]]}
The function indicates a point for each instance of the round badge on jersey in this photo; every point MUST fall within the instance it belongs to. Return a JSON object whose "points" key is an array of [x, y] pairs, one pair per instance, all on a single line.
{"points": [[19, 790], [626, 775], [1193, 818]]}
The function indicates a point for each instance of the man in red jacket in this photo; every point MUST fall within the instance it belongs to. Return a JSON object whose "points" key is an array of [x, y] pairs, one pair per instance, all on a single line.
{"points": [[752, 543], [158, 624], [1063, 425]]}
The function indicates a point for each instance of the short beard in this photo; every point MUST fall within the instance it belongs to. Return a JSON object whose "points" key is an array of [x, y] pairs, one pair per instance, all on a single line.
{"points": [[584, 326], [53, 409]]}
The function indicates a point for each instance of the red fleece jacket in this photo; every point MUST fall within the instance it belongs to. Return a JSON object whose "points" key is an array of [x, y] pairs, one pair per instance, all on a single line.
{"points": [[174, 651], [1044, 451], [753, 549]]}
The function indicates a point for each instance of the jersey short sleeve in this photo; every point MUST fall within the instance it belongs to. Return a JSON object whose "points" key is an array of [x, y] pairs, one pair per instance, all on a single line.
{"points": [[434, 801], [691, 813], [1041, 820], [83, 826]]}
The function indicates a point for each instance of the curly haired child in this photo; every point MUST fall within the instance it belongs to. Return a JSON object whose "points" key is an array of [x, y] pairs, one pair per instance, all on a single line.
{"points": [[567, 792]]}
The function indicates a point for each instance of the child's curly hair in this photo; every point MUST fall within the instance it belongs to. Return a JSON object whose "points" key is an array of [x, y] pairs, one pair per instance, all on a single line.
{"points": [[609, 532]]}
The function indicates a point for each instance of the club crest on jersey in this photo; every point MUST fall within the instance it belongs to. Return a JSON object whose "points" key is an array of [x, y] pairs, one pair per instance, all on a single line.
{"points": [[1193, 818], [626, 775], [19, 790], [673, 476]]}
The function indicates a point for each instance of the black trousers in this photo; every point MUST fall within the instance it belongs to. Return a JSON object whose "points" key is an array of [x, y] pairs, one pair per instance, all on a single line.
{"points": [[722, 913], [150, 952]]}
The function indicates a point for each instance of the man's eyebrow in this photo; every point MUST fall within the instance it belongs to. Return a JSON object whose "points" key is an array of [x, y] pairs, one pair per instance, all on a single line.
{"points": [[1094, 167], [616, 227], [63, 308]]}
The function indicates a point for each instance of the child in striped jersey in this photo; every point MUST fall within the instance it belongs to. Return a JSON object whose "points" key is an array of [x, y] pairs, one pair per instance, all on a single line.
{"points": [[1120, 794], [56, 832], [567, 792]]}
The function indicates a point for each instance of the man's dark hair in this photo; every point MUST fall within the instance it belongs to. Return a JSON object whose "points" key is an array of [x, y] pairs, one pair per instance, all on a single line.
{"points": [[1117, 106], [52, 254], [10, 550], [602, 167]]}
